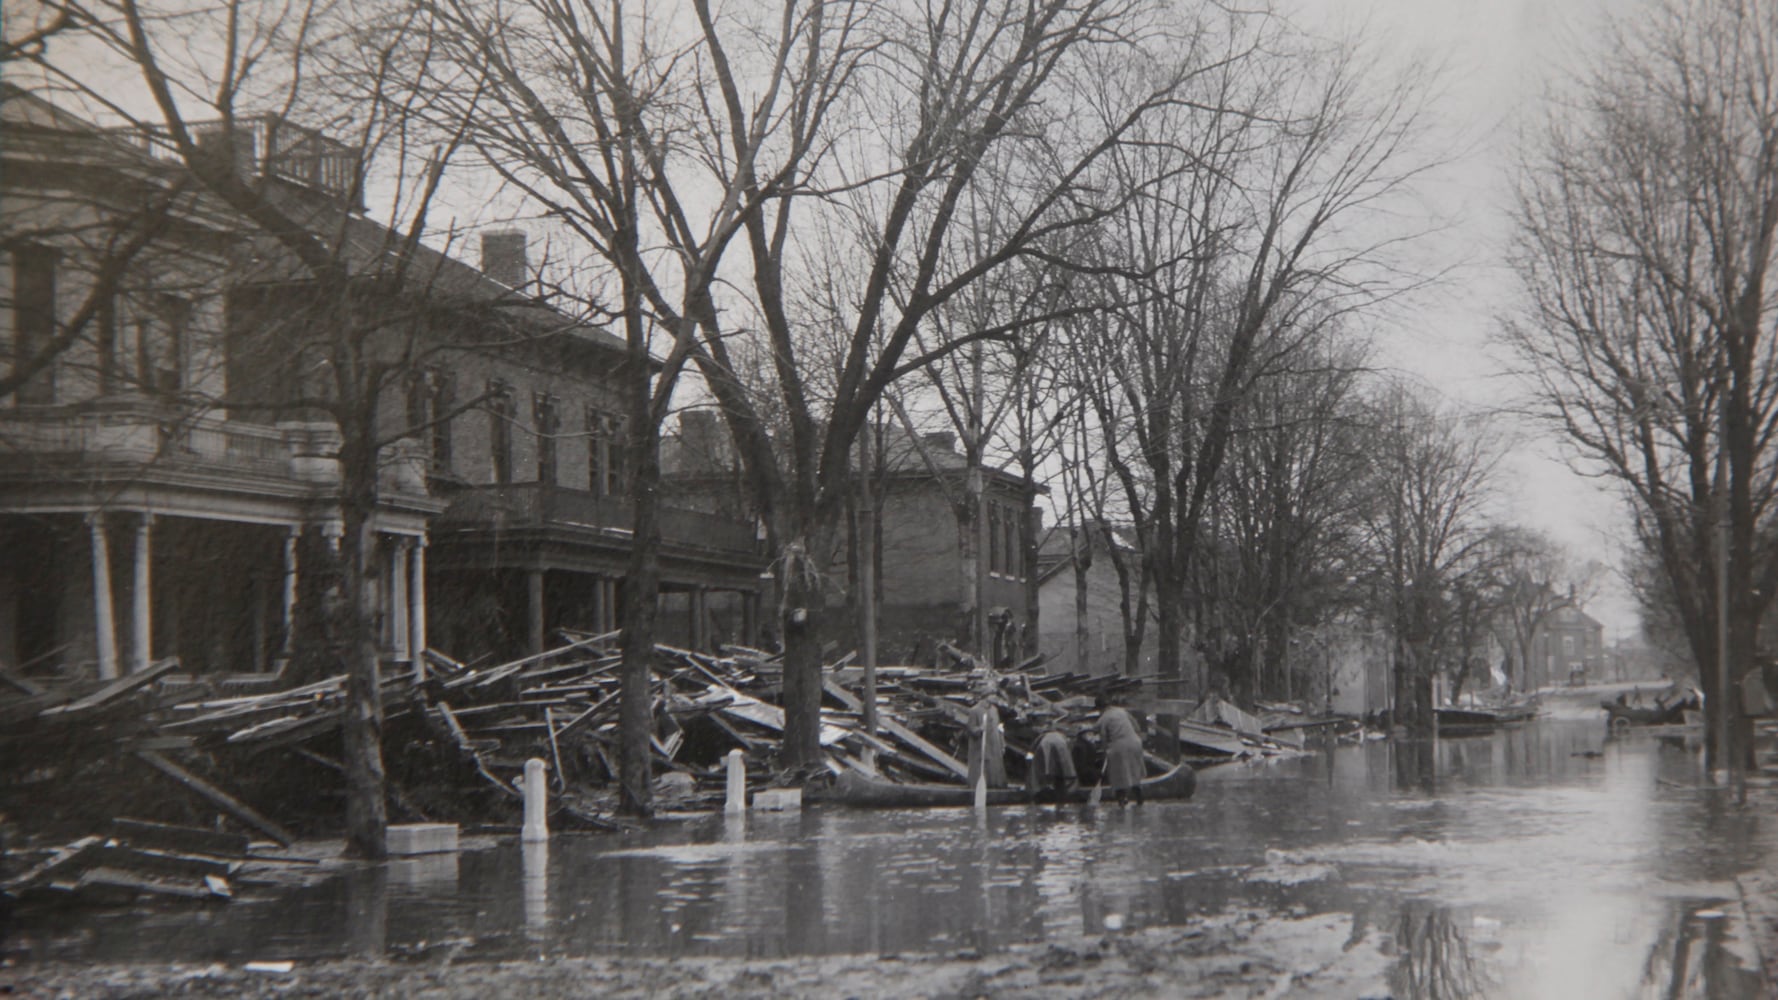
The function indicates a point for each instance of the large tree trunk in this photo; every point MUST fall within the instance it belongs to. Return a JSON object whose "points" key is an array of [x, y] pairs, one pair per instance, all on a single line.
{"points": [[801, 622], [640, 605], [367, 817]]}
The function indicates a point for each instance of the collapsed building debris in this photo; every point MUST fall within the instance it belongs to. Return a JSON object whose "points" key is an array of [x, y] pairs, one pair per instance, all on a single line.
{"points": [[188, 751]]}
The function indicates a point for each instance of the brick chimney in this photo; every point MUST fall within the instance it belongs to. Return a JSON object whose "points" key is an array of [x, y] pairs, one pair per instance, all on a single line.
{"points": [[503, 257]]}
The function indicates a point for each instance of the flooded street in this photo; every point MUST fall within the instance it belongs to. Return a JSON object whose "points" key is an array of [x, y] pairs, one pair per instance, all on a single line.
{"points": [[1539, 861]]}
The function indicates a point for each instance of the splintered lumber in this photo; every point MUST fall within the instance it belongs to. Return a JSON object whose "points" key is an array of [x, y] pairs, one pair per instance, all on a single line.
{"points": [[894, 728], [145, 833], [217, 797], [23, 684], [116, 689], [65, 857], [116, 878]]}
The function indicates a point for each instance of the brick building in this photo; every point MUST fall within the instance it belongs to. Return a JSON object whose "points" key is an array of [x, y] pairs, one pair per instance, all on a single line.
{"points": [[161, 492], [922, 545]]}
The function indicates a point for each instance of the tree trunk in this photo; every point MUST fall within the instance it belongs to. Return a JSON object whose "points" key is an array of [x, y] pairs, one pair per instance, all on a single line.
{"points": [[801, 622], [367, 818], [639, 607]]}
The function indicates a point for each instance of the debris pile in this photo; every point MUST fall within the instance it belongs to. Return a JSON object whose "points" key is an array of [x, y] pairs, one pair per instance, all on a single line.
{"points": [[204, 751]]}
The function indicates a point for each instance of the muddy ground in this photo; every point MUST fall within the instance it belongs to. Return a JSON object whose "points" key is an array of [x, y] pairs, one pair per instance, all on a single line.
{"points": [[1240, 955]]}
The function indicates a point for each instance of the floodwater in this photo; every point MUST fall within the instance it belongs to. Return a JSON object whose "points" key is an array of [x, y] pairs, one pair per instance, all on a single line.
{"points": [[1504, 865]]}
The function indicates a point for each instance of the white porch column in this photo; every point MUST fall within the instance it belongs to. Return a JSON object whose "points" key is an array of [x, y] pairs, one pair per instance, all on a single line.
{"points": [[290, 539], [104, 626], [396, 606], [142, 598], [416, 606]]}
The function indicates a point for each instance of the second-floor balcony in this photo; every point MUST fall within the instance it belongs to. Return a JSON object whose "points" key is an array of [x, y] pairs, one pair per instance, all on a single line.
{"points": [[133, 439], [537, 506]]}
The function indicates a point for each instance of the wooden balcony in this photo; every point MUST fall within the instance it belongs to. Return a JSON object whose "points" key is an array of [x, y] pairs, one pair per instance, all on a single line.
{"points": [[536, 506]]}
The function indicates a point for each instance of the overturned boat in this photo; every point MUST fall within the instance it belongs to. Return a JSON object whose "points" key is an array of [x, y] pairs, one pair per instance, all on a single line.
{"points": [[865, 792]]}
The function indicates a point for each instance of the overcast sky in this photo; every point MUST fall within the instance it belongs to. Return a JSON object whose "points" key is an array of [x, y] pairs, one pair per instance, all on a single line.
{"points": [[1497, 58]]}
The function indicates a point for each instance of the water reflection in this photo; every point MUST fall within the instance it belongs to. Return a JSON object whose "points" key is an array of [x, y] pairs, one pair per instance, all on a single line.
{"points": [[1510, 865], [1438, 961]]}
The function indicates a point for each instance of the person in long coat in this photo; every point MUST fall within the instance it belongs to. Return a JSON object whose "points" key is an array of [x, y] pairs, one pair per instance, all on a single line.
{"points": [[987, 744], [1052, 766], [1123, 752]]}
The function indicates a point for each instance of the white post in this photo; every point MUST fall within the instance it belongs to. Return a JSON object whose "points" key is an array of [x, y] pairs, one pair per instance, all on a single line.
{"points": [[416, 606], [737, 783], [395, 605], [536, 803], [981, 790], [535, 855], [104, 626], [141, 599]]}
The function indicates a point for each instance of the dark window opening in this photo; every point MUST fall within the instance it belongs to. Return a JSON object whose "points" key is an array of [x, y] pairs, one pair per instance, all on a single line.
{"points": [[547, 419], [500, 414], [34, 318]]}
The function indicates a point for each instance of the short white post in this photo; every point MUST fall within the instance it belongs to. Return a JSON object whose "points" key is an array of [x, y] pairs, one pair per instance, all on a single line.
{"points": [[536, 803], [981, 791], [737, 782], [535, 856]]}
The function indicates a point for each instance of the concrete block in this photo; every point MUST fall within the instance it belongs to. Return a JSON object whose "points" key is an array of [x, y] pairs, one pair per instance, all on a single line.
{"points": [[422, 838], [778, 799]]}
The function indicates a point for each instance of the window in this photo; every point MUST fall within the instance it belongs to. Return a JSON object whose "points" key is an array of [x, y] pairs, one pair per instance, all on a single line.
{"points": [[994, 557], [105, 343], [1568, 645], [1015, 550], [428, 414], [500, 414], [34, 318], [160, 343], [604, 453], [547, 419]]}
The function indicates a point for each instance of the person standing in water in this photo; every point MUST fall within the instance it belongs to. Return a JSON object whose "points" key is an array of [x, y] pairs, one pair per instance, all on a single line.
{"points": [[1123, 750], [987, 744]]}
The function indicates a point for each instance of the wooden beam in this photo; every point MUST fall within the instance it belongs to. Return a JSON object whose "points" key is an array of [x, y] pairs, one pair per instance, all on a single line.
{"points": [[111, 692], [217, 797]]}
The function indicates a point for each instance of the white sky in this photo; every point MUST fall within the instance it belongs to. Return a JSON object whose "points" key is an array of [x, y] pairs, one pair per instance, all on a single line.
{"points": [[1497, 56]]}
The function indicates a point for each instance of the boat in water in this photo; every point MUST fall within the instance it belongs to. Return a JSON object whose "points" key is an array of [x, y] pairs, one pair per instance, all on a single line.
{"points": [[865, 792]]}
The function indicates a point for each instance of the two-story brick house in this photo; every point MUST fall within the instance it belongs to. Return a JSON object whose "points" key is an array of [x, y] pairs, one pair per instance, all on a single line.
{"points": [[160, 488], [924, 561]]}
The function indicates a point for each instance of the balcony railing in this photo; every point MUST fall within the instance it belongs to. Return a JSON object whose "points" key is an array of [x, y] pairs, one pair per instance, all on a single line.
{"points": [[140, 434], [536, 505], [266, 145]]}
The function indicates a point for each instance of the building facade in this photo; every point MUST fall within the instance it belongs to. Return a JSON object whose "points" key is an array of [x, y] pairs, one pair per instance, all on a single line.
{"points": [[162, 489]]}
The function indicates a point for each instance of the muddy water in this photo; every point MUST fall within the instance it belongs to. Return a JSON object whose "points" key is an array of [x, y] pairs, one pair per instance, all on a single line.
{"points": [[1512, 865]]}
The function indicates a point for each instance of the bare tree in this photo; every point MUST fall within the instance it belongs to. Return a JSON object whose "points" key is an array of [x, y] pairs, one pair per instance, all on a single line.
{"points": [[1648, 247], [942, 89], [1230, 263], [1425, 527], [225, 88]]}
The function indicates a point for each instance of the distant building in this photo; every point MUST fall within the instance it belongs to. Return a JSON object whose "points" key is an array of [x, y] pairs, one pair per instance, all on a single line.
{"points": [[1567, 647], [1060, 618], [922, 551]]}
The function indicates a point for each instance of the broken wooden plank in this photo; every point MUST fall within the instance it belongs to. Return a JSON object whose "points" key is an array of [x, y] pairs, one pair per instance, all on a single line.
{"points": [[24, 684], [114, 878], [66, 858], [217, 797], [147, 833], [124, 685]]}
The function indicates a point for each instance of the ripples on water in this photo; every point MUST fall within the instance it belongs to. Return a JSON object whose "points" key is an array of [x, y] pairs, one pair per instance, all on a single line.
{"points": [[1503, 865]]}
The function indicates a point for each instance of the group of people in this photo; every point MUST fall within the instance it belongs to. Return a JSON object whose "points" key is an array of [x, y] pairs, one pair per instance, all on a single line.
{"points": [[1105, 755]]}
